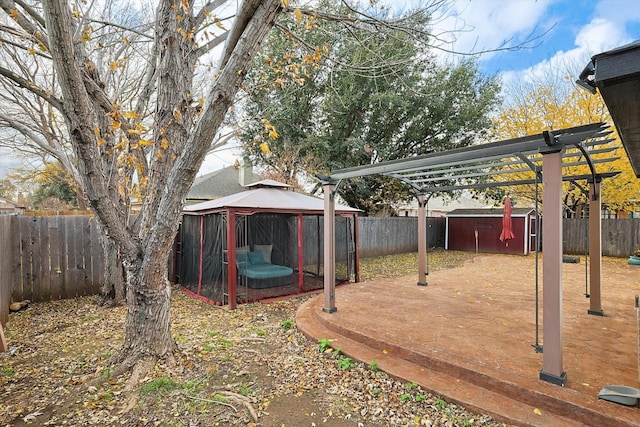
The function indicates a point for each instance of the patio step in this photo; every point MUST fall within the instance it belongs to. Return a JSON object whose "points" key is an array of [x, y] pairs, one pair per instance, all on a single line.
{"points": [[480, 393]]}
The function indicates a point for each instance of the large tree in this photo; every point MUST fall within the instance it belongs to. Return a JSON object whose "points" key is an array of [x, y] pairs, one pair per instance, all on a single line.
{"points": [[151, 145], [344, 97]]}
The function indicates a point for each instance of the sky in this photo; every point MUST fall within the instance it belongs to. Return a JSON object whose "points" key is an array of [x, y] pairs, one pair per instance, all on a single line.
{"points": [[569, 32]]}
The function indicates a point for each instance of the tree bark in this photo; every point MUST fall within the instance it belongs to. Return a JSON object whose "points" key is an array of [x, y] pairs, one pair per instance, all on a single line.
{"points": [[113, 290], [147, 329]]}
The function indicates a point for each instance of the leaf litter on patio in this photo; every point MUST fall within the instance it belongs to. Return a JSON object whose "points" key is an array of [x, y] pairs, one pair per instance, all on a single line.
{"points": [[248, 367]]}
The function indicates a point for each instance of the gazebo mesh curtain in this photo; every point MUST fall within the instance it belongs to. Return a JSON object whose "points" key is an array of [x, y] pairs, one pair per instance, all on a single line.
{"points": [[206, 275]]}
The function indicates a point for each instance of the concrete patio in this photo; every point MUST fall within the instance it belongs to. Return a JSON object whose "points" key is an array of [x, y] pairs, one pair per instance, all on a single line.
{"points": [[468, 336]]}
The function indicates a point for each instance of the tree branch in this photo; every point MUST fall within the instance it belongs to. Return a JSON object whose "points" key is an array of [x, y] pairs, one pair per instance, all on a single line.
{"points": [[38, 91], [36, 34], [80, 117]]}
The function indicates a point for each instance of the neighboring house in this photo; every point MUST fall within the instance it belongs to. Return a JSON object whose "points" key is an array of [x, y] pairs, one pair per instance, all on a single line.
{"points": [[439, 206], [221, 183], [11, 208]]}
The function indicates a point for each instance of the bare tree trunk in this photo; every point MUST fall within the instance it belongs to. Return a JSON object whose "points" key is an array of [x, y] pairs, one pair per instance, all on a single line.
{"points": [[113, 289], [147, 329]]}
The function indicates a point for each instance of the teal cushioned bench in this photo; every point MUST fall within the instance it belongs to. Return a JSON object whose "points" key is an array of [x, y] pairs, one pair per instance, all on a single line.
{"points": [[262, 274]]}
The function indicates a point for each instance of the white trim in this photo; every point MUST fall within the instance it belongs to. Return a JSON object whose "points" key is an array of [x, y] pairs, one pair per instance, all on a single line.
{"points": [[446, 233]]}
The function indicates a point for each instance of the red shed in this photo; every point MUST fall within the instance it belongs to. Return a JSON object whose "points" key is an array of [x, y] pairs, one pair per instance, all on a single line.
{"points": [[479, 230]]}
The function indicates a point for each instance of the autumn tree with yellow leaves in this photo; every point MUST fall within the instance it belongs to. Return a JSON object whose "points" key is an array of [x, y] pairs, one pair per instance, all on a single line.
{"points": [[115, 92], [561, 105]]}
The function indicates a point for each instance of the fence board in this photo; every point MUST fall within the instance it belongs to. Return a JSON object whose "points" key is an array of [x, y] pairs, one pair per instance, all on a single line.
{"points": [[68, 251], [16, 259], [5, 267], [27, 240], [41, 277], [88, 284], [620, 237], [97, 259], [56, 255], [73, 275]]}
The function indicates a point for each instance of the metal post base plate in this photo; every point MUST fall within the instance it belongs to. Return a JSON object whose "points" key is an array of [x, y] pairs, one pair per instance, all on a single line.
{"points": [[422, 283], [329, 309], [554, 379], [595, 312]]}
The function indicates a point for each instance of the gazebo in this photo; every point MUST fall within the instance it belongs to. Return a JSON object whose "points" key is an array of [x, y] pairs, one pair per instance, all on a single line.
{"points": [[261, 243]]}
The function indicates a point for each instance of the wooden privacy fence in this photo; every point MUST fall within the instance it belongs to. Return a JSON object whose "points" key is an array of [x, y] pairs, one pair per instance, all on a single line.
{"points": [[385, 236], [45, 258], [620, 237], [49, 257]]}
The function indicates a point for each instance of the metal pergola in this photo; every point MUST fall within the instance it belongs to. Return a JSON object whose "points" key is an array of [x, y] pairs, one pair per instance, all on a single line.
{"points": [[550, 158]]}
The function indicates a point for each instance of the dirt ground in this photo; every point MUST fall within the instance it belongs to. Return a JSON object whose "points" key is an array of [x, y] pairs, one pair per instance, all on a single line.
{"points": [[248, 367]]}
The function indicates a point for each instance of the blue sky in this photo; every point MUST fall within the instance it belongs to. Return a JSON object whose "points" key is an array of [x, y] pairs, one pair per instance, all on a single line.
{"points": [[571, 31]]}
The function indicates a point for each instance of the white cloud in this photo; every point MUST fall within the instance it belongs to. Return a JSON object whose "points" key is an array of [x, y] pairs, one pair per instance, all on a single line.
{"points": [[489, 24], [597, 36]]}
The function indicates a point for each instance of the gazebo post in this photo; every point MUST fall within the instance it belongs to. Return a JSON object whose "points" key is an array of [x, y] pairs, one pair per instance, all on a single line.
{"points": [[300, 253], [422, 241], [232, 277], [595, 248], [552, 370], [329, 248]]}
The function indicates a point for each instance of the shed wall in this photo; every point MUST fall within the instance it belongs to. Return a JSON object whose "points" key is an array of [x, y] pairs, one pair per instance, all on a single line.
{"points": [[461, 235]]}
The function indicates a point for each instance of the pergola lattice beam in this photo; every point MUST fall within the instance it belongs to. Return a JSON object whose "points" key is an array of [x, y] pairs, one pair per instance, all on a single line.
{"points": [[483, 152]]}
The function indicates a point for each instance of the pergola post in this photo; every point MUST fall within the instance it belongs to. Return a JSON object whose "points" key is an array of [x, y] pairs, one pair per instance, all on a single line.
{"points": [[329, 248], [356, 236], [422, 241], [552, 370], [595, 249], [3, 341]]}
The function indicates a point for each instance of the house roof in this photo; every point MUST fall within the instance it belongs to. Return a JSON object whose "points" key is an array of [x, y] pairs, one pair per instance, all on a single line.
{"points": [[268, 183], [220, 183], [616, 75], [266, 198], [7, 204], [445, 204], [515, 212]]}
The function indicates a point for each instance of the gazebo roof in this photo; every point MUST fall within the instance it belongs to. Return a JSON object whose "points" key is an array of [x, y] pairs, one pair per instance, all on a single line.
{"points": [[270, 198]]}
